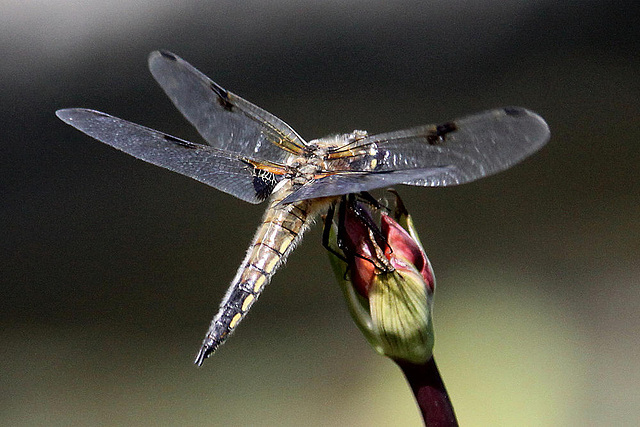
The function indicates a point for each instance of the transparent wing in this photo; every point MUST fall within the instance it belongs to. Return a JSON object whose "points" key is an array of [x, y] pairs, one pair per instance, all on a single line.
{"points": [[225, 171], [224, 120], [355, 182], [452, 153]]}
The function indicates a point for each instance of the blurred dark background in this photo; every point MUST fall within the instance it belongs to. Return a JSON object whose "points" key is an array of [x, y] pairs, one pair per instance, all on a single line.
{"points": [[111, 269]]}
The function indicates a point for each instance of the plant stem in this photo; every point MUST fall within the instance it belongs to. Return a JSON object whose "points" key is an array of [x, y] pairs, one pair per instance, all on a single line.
{"points": [[431, 395]]}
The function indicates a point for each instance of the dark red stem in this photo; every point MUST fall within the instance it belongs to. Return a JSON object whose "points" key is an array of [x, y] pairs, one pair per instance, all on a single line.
{"points": [[430, 393]]}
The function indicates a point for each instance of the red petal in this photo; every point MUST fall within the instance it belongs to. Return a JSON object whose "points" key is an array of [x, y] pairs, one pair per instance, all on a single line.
{"points": [[358, 241], [402, 245]]}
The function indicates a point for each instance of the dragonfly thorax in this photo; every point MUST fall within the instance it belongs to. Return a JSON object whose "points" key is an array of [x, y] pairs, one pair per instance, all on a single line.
{"points": [[317, 159]]}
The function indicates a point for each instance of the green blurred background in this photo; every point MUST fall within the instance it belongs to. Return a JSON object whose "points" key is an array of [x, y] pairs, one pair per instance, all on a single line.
{"points": [[111, 269]]}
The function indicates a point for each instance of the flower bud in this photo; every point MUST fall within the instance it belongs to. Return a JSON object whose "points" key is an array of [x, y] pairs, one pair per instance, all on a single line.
{"points": [[387, 280]]}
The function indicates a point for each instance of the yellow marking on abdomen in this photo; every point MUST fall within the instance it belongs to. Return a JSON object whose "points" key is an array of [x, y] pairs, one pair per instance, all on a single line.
{"points": [[278, 243], [235, 320], [247, 302], [260, 282], [271, 263], [281, 226], [265, 261]]}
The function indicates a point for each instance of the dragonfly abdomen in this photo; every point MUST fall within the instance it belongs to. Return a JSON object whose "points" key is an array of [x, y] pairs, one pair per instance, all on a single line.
{"points": [[282, 227]]}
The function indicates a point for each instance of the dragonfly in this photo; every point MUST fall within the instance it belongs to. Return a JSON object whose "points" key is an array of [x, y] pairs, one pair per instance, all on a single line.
{"points": [[254, 156]]}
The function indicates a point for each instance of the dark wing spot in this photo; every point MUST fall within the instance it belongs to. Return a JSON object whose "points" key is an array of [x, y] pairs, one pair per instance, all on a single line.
{"points": [[439, 134], [168, 55], [181, 142], [263, 183], [223, 97], [514, 111]]}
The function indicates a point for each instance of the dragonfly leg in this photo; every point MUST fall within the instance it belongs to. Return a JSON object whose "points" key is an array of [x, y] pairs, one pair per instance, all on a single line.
{"points": [[349, 206], [326, 232]]}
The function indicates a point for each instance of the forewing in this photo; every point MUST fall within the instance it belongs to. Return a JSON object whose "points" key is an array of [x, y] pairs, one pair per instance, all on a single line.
{"points": [[224, 120], [452, 153], [225, 171], [355, 182]]}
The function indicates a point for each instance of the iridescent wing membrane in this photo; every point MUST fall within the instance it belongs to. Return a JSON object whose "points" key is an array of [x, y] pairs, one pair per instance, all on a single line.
{"points": [[452, 153], [223, 170], [241, 135], [250, 150], [224, 120]]}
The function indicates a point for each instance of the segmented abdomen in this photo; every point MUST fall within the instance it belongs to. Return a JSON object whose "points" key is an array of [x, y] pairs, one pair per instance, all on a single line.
{"points": [[281, 228]]}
